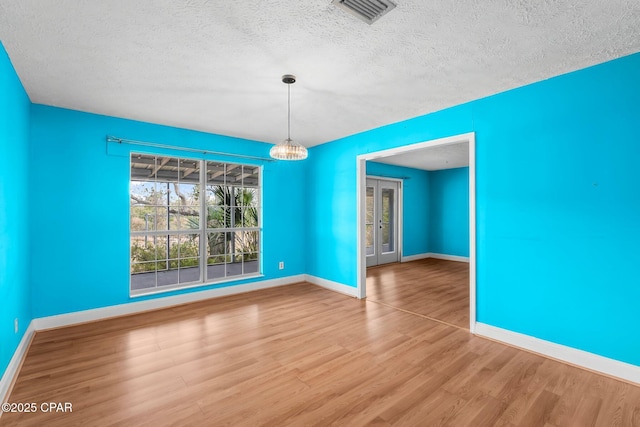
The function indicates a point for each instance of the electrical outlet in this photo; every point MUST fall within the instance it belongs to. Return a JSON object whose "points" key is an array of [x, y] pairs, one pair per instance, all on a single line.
{"points": [[281, 265], [15, 325]]}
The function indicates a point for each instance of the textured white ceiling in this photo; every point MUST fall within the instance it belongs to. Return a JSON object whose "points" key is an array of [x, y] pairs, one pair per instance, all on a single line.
{"points": [[216, 65], [432, 158]]}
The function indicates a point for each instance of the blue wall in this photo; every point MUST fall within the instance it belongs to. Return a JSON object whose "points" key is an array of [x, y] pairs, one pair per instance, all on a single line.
{"points": [[80, 200], [415, 213], [557, 205], [14, 210], [331, 180], [449, 213], [435, 208]]}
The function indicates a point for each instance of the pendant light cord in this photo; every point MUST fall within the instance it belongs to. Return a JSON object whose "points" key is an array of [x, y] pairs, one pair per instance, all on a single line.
{"points": [[289, 112], [287, 149]]}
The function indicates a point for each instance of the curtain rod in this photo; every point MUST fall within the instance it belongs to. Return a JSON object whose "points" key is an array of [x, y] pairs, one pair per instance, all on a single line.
{"points": [[174, 147]]}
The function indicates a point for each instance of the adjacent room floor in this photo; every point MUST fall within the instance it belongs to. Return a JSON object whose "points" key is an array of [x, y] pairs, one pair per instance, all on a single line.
{"points": [[302, 355], [430, 287]]}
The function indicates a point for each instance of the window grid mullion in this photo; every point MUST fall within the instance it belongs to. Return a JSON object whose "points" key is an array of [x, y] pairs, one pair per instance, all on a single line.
{"points": [[203, 221], [232, 185]]}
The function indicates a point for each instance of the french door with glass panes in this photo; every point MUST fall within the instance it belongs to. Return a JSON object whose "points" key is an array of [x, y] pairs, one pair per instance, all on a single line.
{"points": [[381, 222]]}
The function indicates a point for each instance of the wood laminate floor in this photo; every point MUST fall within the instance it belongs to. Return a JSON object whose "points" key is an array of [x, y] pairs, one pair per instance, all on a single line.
{"points": [[300, 355], [430, 287]]}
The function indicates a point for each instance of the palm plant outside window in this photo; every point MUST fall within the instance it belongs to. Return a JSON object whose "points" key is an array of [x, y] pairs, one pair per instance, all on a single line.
{"points": [[183, 236]]}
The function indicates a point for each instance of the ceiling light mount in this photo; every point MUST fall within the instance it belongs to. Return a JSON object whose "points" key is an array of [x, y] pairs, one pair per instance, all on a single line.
{"points": [[288, 150], [288, 79]]}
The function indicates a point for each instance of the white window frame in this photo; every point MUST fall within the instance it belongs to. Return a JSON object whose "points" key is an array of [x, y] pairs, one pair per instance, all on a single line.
{"points": [[202, 231]]}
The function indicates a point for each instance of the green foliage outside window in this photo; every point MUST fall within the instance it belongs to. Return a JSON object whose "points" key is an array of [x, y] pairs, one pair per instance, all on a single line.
{"points": [[227, 208]]}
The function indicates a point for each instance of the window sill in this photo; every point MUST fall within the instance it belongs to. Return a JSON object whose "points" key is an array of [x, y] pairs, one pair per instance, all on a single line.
{"points": [[171, 288]]}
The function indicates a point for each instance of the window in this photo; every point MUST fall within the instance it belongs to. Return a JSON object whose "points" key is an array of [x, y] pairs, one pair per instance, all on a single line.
{"points": [[183, 236]]}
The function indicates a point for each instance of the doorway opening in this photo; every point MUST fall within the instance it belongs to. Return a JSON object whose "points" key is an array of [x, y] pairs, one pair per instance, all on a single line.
{"points": [[434, 150]]}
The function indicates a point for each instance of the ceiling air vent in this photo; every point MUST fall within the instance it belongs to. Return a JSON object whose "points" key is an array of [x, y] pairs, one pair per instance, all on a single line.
{"points": [[367, 10]]}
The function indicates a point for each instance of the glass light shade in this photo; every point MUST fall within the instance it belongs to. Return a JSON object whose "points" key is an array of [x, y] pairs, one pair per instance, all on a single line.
{"points": [[288, 150]]}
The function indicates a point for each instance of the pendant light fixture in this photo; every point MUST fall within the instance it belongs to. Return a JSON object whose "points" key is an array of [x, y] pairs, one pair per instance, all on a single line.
{"points": [[287, 149]]}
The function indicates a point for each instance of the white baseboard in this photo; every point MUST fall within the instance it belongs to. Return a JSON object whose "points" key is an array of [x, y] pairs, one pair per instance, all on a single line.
{"points": [[435, 255], [449, 257], [77, 317], [414, 257], [333, 286], [14, 365], [74, 318], [593, 362]]}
